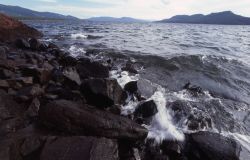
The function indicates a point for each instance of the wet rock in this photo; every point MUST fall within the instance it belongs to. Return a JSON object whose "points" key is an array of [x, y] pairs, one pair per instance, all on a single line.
{"points": [[33, 108], [146, 109], [67, 60], [2, 53], [145, 88], [22, 44], [86, 69], [173, 149], [30, 92], [130, 68], [5, 74], [4, 84], [36, 45], [131, 87], [71, 74], [78, 148], [194, 90], [71, 117], [194, 115], [212, 146], [40, 75], [103, 92]]}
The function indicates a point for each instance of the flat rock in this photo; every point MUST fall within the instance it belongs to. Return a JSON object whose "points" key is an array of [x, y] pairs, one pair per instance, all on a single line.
{"points": [[77, 119], [86, 69], [103, 92]]}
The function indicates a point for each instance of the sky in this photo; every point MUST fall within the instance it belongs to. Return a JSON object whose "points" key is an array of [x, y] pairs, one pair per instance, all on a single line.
{"points": [[142, 9]]}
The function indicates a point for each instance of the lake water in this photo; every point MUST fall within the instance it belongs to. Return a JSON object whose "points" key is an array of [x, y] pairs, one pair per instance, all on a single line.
{"points": [[214, 57]]}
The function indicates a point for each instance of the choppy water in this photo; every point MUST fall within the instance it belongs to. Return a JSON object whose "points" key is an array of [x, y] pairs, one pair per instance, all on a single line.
{"points": [[214, 57]]}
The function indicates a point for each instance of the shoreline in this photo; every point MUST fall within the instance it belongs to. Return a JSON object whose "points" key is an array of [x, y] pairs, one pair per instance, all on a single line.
{"points": [[55, 106]]}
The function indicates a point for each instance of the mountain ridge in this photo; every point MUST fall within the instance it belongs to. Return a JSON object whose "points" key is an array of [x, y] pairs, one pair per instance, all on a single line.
{"points": [[114, 19], [225, 17], [24, 13]]}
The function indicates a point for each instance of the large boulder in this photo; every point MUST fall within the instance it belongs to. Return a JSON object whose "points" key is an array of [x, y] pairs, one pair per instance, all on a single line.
{"points": [[103, 92], [22, 43], [74, 118], [11, 29], [86, 69], [27, 146], [146, 109], [78, 148], [212, 146]]}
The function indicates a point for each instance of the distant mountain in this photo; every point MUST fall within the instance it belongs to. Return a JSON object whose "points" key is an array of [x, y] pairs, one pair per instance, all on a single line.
{"points": [[227, 18], [112, 19], [23, 13]]}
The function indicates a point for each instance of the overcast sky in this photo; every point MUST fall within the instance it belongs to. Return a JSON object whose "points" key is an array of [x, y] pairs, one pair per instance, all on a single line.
{"points": [[144, 9]]}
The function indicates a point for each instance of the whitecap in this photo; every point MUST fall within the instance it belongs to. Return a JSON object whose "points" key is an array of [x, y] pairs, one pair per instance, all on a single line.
{"points": [[76, 51], [78, 36]]}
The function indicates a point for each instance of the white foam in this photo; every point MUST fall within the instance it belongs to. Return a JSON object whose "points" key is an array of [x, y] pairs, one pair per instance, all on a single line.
{"points": [[76, 51], [244, 140], [78, 36], [123, 77], [162, 127]]}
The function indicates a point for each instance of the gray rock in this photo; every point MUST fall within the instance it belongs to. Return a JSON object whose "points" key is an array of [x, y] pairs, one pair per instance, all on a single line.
{"points": [[74, 118]]}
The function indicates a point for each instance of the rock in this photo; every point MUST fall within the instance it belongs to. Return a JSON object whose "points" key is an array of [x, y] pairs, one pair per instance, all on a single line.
{"points": [[30, 92], [4, 84], [212, 146], [131, 87], [194, 90], [11, 29], [146, 109], [173, 149], [22, 44], [33, 108], [40, 75], [130, 68], [146, 88], [103, 92], [71, 74], [192, 114], [87, 69], [71, 117], [78, 148], [5, 73], [67, 61], [3, 55], [36, 45]]}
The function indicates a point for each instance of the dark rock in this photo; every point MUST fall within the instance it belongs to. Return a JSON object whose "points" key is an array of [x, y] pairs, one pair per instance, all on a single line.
{"points": [[71, 74], [33, 108], [212, 146], [67, 60], [146, 109], [22, 44], [145, 88], [130, 68], [131, 87], [87, 69], [173, 149], [30, 92], [70, 117], [187, 113], [41, 75], [78, 148], [37, 45], [5, 73], [103, 92], [2, 53], [4, 84], [194, 90]]}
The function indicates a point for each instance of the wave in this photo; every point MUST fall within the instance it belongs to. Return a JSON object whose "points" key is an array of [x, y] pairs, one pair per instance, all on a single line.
{"points": [[78, 36]]}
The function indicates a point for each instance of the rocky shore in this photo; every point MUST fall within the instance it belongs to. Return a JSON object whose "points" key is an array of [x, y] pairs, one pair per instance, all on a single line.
{"points": [[56, 107]]}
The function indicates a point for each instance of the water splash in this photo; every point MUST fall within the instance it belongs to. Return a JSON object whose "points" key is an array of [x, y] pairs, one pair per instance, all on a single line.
{"points": [[162, 127], [78, 36]]}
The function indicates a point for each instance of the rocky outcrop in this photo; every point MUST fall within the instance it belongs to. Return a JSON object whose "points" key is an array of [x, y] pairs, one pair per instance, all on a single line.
{"points": [[212, 146], [71, 117], [103, 93], [11, 29]]}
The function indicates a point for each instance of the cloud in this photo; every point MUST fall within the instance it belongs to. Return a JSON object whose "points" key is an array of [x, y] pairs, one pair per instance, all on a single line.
{"points": [[145, 9], [48, 1]]}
